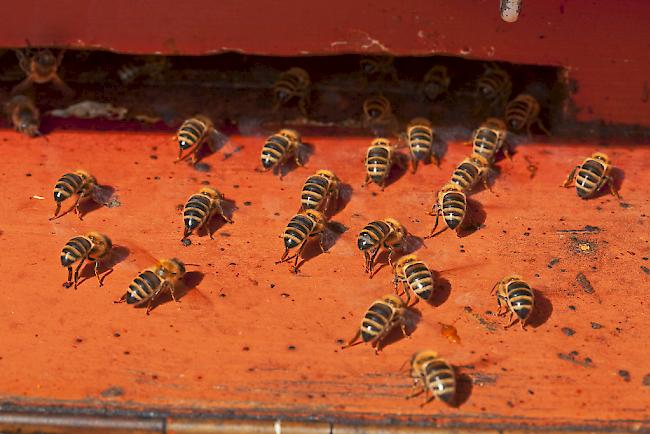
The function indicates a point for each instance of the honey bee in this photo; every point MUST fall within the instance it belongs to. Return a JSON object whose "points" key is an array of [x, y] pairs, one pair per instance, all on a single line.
{"points": [[153, 67], [387, 233], [301, 228], [379, 160], [379, 320], [200, 208], [489, 138], [150, 283], [419, 136], [592, 175], [436, 82], [522, 112], [192, 134], [79, 183], [514, 296], [433, 375], [470, 171], [494, 85], [318, 190], [279, 148], [92, 247], [452, 204], [416, 277], [293, 83], [24, 115], [378, 67], [40, 66], [377, 109]]}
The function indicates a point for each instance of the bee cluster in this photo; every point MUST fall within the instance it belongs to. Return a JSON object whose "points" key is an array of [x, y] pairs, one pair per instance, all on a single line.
{"points": [[431, 374]]}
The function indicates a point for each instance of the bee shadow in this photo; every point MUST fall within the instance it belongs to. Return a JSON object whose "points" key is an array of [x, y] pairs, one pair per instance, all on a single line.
{"points": [[100, 197], [442, 289], [439, 149], [117, 255], [542, 310], [191, 280], [412, 317], [212, 145], [333, 232], [345, 196], [476, 220], [217, 222], [618, 176], [464, 386]]}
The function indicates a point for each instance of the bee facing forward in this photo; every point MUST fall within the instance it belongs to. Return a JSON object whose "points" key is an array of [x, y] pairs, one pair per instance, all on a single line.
{"points": [[387, 233], [79, 183], [92, 247], [489, 138], [522, 112], [416, 277], [300, 229], [279, 148], [494, 85], [318, 190], [470, 171], [380, 157], [191, 135], [452, 204], [380, 318], [516, 297], [419, 136], [433, 375], [150, 283], [200, 208], [24, 115], [293, 83], [592, 175], [40, 66], [436, 82], [378, 67]]}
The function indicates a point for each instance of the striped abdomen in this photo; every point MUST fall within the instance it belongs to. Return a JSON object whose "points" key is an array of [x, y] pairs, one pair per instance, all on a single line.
{"points": [[74, 250], [420, 141], [520, 298], [373, 235], [375, 321], [453, 206], [589, 177], [419, 279], [436, 82], [191, 133], [314, 192], [297, 231], [197, 211], [495, 85], [143, 287], [465, 175], [485, 143], [522, 111], [378, 163], [291, 83], [440, 379], [68, 185], [274, 150]]}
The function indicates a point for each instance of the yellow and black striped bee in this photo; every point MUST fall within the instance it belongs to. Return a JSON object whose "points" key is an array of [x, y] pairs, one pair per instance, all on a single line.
{"points": [[191, 135], [200, 208], [419, 136], [436, 82], [40, 66], [522, 112], [377, 109], [301, 228], [152, 67], [293, 83], [379, 320], [470, 171], [92, 247], [490, 138], [433, 375], [380, 157], [514, 296], [452, 205], [24, 115], [279, 148], [79, 183], [387, 233], [592, 175], [494, 85], [150, 283], [318, 190], [416, 277], [378, 67]]}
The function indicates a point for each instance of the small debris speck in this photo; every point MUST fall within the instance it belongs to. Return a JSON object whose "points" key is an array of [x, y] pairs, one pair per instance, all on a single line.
{"points": [[117, 334], [553, 262], [624, 374], [248, 203], [572, 307], [186, 242], [646, 380], [153, 157], [112, 392], [645, 269], [584, 282], [202, 167], [568, 331], [596, 326], [624, 205], [291, 348]]}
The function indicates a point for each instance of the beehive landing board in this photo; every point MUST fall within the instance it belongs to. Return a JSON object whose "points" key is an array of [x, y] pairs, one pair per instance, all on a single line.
{"points": [[255, 338]]}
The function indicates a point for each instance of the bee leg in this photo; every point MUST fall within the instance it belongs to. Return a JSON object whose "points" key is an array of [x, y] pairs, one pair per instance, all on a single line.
{"points": [[366, 262], [402, 326], [284, 257], [122, 299], [512, 319], [56, 212], [101, 280], [567, 183], [23, 86], [542, 127], [428, 400], [302, 105], [207, 229], [612, 187], [76, 272], [320, 242], [62, 87], [371, 262], [494, 287], [414, 394], [171, 291], [219, 210], [68, 283], [76, 205], [435, 225], [523, 324], [377, 346], [367, 181], [352, 342], [297, 257], [415, 165]]}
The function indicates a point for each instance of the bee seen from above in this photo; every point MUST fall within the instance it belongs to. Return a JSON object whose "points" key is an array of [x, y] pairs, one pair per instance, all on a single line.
{"points": [[451, 203], [279, 148], [293, 83], [378, 321], [40, 66], [192, 134], [494, 86], [152, 67], [150, 283], [379, 160], [514, 296], [93, 247], [377, 109], [433, 376], [470, 171], [522, 112], [79, 183], [24, 115], [436, 82], [591, 176], [319, 189], [378, 68], [387, 233], [490, 138], [416, 277], [419, 136], [301, 228], [200, 208]]}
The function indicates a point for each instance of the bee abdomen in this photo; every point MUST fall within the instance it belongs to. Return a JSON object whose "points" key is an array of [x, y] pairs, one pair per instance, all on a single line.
{"points": [[274, 149], [420, 280], [441, 380], [589, 176], [372, 234], [143, 287], [521, 298], [313, 192], [191, 132], [420, 141], [454, 206], [69, 184], [375, 321], [196, 210], [75, 249], [485, 143], [297, 230], [465, 175]]}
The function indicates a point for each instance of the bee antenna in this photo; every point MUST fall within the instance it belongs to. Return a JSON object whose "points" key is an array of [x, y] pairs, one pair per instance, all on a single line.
{"points": [[194, 265]]}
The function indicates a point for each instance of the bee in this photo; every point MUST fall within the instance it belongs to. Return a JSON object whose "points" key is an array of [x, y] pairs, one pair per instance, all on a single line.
{"points": [[153, 67], [318, 190], [79, 183], [432, 374], [379, 160], [200, 208], [40, 66], [416, 277], [452, 204], [436, 82], [92, 247], [514, 296], [378, 67], [522, 112], [301, 228], [592, 175], [293, 83], [387, 233], [419, 136], [494, 85], [380, 318], [150, 283], [279, 148], [470, 171], [377, 109], [24, 115], [489, 138], [192, 134]]}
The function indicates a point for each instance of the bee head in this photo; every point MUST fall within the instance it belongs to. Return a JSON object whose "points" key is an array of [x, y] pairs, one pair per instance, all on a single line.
{"points": [[174, 266], [407, 259], [290, 134], [393, 300], [494, 123], [515, 124], [316, 215], [326, 174], [210, 192], [44, 58], [282, 95], [100, 239], [601, 157]]}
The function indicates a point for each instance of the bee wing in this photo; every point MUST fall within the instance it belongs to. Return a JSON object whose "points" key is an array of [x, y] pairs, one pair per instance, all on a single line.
{"points": [[105, 195], [139, 258], [217, 140]]}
